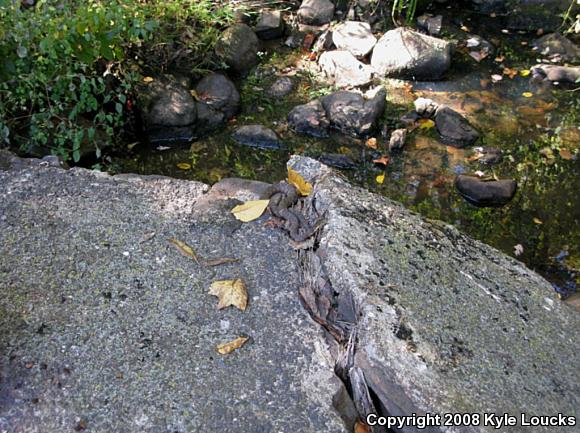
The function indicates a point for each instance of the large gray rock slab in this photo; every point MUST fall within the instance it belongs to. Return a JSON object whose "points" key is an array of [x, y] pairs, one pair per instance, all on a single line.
{"points": [[107, 329], [445, 324], [404, 53]]}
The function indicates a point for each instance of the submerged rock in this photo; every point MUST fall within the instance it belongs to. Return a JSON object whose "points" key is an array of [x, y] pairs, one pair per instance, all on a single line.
{"points": [[309, 119], [454, 129], [238, 47], [556, 47], [489, 155], [355, 114], [404, 53], [568, 75], [257, 136], [486, 193], [270, 25], [355, 37], [343, 69], [281, 87], [337, 160], [444, 323], [316, 12], [431, 24]]}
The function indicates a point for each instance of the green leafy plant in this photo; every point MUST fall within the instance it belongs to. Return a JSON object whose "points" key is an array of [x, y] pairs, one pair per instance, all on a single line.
{"points": [[403, 8]]}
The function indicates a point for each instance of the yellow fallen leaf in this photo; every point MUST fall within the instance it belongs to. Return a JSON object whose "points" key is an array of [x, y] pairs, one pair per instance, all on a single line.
{"points": [[426, 124], [525, 72], [380, 178], [230, 293], [538, 221], [361, 427], [372, 143], [147, 79], [184, 249], [304, 188], [566, 154], [194, 94], [183, 166], [527, 94], [250, 210], [230, 346]]}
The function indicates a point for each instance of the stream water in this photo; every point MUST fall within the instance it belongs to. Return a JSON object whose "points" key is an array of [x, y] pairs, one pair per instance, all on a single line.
{"points": [[535, 126]]}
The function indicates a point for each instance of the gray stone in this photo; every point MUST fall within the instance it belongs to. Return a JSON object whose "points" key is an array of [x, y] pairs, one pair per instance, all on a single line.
{"points": [[309, 119], [281, 87], [444, 323], [337, 160], [257, 136], [431, 24], [404, 53], [107, 327], [398, 138], [168, 110], [355, 37], [489, 155], [355, 114], [425, 107], [454, 129], [343, 69], [316, 12], [557, 47], [238, 47], [556, 74], [486, 193], [270, 25], [219, 101]]}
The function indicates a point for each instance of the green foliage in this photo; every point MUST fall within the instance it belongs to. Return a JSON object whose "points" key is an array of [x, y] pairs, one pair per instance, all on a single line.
{"points": [[69, 68], [404, 9]]}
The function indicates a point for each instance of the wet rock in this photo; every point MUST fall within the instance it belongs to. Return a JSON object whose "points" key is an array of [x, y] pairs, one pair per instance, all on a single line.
{"points": [[557, 47], [281, 87], [219, 102], [355, 114], [489, 155], [482, 193], [535, 14], [398, 138], [485, 325], [337, 160], [454, 129], [404, 53], [430, 24], [270, 25], [168, 110], [478, 48], [323, 42], [489, 6], [257, 136], [309, 119], [355, 37], [343, 69], [316, 12], [238, 47], [147, 347], [425, 107], [568, 75]]}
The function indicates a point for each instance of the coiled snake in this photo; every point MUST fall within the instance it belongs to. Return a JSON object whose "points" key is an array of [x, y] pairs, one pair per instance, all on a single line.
{"points": [[284, 196]]}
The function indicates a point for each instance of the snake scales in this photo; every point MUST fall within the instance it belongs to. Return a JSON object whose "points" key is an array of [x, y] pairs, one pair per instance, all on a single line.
{"points": [[284, 196]]}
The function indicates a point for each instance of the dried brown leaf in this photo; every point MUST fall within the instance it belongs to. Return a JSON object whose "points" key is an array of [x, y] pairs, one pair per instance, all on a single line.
{"points": [[230, 346], [184, 249], [230, 293]]}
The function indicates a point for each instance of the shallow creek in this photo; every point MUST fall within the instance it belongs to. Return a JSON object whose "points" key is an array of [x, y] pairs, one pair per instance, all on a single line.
{"points": [[535, 126]]}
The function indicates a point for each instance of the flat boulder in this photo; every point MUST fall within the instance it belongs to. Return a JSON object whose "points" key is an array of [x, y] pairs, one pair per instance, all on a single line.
{"points": [[316, 12], [309, 119], [238, 47], [257, 136], [429, 320], [270, 25], [556, 47], [404, 53], [355, 37], [454, 129], [354, 113], [343, 69], [486, 193], [554, 74]]}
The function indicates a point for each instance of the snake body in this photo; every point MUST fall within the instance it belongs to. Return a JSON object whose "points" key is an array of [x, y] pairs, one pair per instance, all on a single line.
{"points": [[284, 196]]}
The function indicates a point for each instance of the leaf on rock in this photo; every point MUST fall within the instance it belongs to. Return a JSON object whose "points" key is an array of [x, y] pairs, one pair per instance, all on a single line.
{"points": [[221, 261], [426, 124], [230, 293], [496, 78], [510, 72], [250, 210], [527, 94], [538, 221], [147, 79], [304, 188], [184, 249], [525, 72], [384, 159], [229, 347], [380, 178], [372, 143], [184, 166]]}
